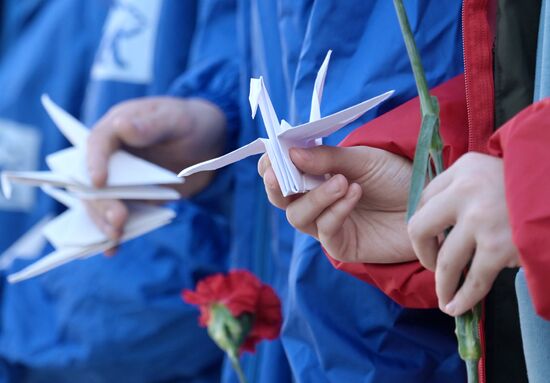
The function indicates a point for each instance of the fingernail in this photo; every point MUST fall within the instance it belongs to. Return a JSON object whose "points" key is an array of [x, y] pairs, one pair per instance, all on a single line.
{"points": [[262, 166], [450, 308], [302, 155], [110, 252], [334, 185]]}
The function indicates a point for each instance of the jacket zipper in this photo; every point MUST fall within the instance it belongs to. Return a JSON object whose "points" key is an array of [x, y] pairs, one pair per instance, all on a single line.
{"points": [[466, 81], [480, 113], [473, 144]]}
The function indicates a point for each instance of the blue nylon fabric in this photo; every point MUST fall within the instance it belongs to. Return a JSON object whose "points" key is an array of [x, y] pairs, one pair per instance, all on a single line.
{"points": [[219, 75], [122, 319], [213, 70], [25, 74], [15, 16], [337, 328], [261, 240]]}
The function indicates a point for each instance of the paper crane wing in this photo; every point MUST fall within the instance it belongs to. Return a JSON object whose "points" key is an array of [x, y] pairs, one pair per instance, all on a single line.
{"points": [[64, 255], [332, 123], [72, 129], [125, 169], [255, 147]]}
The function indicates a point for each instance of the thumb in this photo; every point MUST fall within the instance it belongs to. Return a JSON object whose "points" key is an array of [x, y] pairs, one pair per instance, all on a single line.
{"points": [[320, 160]]}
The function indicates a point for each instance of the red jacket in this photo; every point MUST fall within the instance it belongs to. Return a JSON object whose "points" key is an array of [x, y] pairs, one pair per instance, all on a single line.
{"points": [[467, 124], [466, 105]]}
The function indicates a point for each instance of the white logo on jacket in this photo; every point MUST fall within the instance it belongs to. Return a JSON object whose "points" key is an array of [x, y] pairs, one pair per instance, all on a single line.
{"points": [[126, 52], [19, 150]]}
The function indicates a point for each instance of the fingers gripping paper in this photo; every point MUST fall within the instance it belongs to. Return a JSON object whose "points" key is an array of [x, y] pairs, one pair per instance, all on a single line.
{"points": [[73, 234], [129, 177]]}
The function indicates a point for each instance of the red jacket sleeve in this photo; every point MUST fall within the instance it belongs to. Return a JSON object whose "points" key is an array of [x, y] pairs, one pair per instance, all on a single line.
{"points": [[409, 284], [523, 143]]}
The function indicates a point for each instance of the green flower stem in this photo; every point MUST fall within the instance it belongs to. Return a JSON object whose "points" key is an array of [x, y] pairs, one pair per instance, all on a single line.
{"points": [[429, 147], [229, 333], [416, 63], [237, 367]]}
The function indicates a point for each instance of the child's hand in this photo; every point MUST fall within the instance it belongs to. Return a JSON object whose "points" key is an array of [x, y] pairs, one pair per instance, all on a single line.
{"points": [[469, 197]]}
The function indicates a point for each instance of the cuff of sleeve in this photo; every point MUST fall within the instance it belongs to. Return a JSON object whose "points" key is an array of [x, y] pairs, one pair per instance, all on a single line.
{"points": [[523, 145], [218, 83], [409, 284]]}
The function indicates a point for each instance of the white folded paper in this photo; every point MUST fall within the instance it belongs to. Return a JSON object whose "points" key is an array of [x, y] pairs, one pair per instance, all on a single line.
{"points": [[28, 246], [75, 236], [282, 136], [72, 233], [130, 177]]}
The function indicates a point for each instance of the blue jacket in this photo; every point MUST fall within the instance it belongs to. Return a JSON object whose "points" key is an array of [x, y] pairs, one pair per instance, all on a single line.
{"points": [[15, 17], [122, 319], [336, 328], [31, 65]]}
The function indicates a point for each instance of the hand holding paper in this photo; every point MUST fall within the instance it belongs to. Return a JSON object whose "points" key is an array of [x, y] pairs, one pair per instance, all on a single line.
{"points": [[282, 136], [73, 233], [130, 177]]}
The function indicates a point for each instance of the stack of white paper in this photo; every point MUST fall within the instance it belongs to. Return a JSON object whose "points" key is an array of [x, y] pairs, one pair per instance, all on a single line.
{"points": [[72, 233], [282, 137]]}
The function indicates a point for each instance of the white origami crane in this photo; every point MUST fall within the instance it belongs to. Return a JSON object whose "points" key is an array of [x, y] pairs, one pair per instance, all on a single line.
{"points": [[282, 136], [72, 233], [75, 236], [130, 177]]}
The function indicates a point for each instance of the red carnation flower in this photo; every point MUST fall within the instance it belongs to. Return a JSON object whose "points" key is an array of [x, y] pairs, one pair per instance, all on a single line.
{"points": [[252, 305]]}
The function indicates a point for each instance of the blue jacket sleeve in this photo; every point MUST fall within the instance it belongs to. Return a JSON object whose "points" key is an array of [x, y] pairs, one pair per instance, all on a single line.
{"points": [[213, 71]]}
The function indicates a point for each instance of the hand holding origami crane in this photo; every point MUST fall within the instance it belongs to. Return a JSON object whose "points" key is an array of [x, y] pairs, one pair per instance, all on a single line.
{"points": [[73, 234], [130, 177], [282, 137]]}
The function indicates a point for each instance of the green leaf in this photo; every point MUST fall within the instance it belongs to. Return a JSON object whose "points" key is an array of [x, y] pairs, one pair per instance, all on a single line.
{"points": [[421, 161]]}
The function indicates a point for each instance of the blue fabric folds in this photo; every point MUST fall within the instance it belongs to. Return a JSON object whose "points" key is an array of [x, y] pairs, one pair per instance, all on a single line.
{"points": [[336, 328]]}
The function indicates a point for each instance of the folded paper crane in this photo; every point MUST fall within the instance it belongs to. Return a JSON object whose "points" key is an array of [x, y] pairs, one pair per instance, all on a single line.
{"points": [[130, 177], [282, 136], [73, 234]]}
